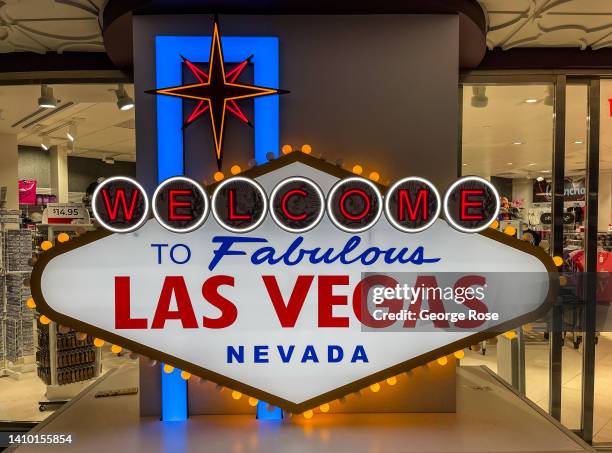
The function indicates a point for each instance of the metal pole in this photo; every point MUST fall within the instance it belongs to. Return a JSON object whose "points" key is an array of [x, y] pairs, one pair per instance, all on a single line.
{"points": [[590, 288], [558, 183]]}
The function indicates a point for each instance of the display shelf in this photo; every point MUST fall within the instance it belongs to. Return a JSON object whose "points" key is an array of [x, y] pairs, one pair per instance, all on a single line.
{"points": [[17, 325], [66, 362]]}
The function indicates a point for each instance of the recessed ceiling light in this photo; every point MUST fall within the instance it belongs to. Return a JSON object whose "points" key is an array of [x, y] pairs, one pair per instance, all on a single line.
{"points": [[545, 171], [578, 142], [531, 101], [465, 165], [518, 143], [539, 178], [532, 164], [509, 163]]}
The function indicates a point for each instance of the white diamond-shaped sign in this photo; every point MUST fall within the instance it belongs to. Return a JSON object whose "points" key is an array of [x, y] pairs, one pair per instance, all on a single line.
{"points": [[296, 366]]}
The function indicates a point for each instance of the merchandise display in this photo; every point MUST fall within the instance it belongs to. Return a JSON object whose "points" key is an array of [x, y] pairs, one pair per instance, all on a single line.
{"points": [[17, 321], [75, 357]]}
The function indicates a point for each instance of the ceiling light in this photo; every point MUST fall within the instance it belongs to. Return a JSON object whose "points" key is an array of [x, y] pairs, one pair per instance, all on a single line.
{"points": [[530, 101], [479, 98], [578, 142], [71, 133], [509, 163], [545, 171], [45, 142], [518, 143], [46, 99], [531, 164], [465, 165], [124, 102], [108, 160], [540, 179]]}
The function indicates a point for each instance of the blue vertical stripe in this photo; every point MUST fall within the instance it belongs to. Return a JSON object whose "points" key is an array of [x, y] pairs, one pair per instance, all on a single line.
{"points": [[170, 153]]}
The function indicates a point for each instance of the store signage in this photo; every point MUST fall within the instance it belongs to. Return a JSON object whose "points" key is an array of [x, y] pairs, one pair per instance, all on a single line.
{"points": [[216, 92], [574, 190], [568, 218], [296, 311]]}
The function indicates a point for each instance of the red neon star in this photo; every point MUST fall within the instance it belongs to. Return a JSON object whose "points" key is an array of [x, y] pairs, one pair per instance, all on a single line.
{"points": [[217, 91], [203, 105]]}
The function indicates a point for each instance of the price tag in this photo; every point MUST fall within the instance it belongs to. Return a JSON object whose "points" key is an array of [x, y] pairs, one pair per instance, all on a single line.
{"points": [[66, 213]]}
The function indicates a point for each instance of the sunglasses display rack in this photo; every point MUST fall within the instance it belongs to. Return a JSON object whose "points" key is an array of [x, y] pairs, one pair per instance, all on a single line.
{"points": [[17, 321], [66, 360]]}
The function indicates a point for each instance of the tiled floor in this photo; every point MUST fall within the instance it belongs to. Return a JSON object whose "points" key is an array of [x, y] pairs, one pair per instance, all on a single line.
{"points": [[537, 381]]}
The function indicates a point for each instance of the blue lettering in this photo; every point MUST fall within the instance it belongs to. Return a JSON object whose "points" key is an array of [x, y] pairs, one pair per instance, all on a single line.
{"points": [[338, 356], [187, 254], [310, 354], [359, 354], [261, 354], [159, 251], [233, 354], [224, 249], [295, 254], [285, 356]]}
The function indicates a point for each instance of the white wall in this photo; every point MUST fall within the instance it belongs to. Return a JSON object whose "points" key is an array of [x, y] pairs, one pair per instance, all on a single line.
{"points": [[9, 158]]}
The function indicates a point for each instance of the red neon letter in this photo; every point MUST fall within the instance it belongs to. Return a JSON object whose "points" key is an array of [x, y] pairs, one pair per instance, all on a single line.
{"points": [[210, 291], [122, 306], [173, 203], [327, 300], [120, 198], [284, 204], [174, 285], [288, 313], [404, 198], [232, 215], [359, 193], [466, 204]]}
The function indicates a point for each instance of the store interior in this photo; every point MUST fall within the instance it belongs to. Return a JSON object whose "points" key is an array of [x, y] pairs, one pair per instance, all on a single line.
{"points": [[507, 137], [58, 140]]}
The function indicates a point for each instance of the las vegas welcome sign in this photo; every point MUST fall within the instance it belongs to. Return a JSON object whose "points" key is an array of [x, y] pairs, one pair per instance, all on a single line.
{"points": [[295, 318]]}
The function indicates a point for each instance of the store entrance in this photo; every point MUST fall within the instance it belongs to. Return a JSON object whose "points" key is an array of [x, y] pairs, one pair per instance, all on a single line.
{"points": [[539, 143], [57, 141]]}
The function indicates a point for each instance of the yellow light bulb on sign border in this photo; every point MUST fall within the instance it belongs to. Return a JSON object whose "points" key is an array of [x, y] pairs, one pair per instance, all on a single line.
{"points": [[236, 395]]}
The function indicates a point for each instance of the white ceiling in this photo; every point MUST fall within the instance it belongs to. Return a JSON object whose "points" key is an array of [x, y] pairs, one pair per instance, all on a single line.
{"points": [[50, 25], [490, 133], [540, 23], [103, 129]]}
